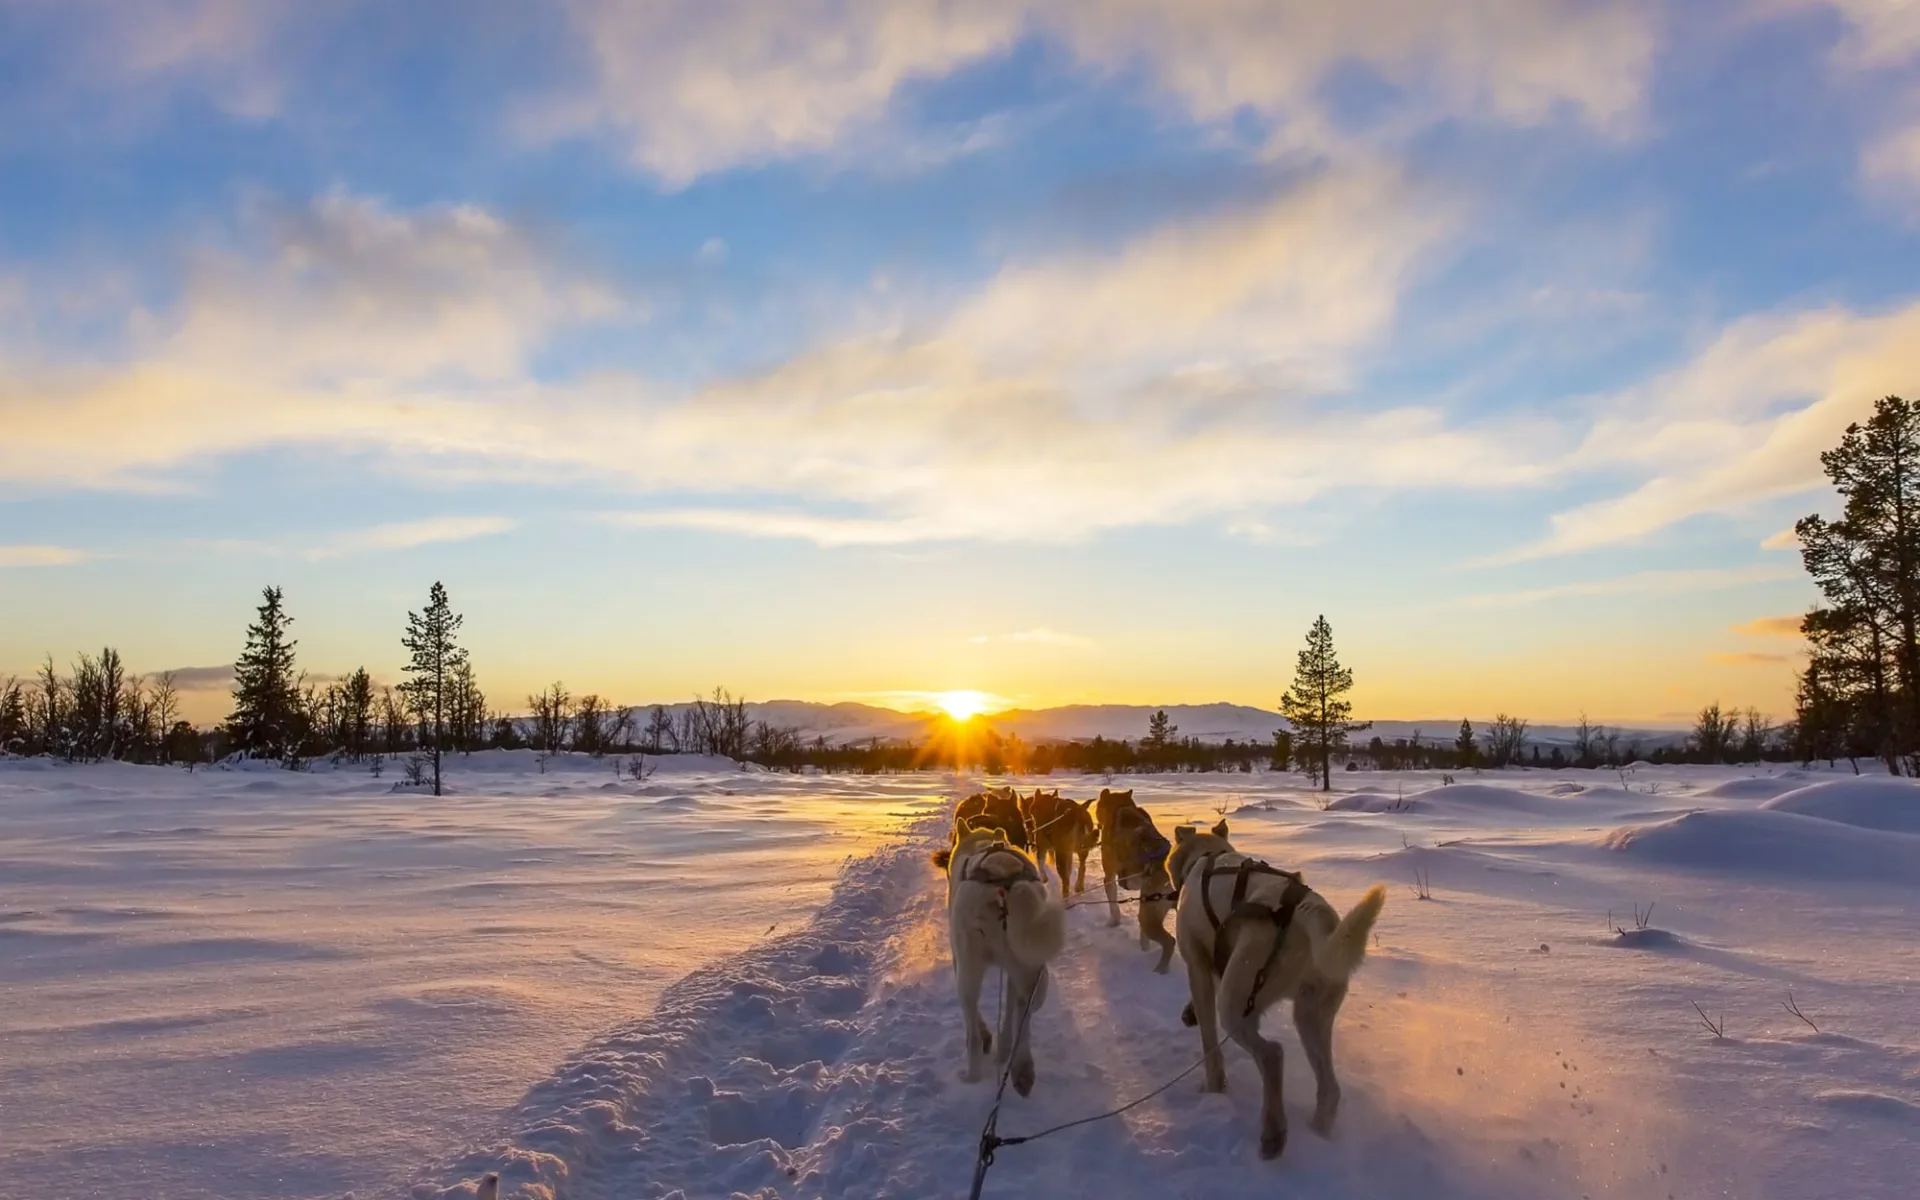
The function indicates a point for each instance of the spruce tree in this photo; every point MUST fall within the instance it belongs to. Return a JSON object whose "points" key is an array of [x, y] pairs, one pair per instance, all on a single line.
{"points": [[435, 664], [1315, 705], [1463, 747], [1160, 729], [266, 718]]}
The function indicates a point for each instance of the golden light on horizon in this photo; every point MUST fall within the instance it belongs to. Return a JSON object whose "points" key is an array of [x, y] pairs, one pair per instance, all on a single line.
{"points": [[962, 705]]}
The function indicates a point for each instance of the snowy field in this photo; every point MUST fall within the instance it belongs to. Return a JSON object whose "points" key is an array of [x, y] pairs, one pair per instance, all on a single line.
{"points": [[718, 983]]}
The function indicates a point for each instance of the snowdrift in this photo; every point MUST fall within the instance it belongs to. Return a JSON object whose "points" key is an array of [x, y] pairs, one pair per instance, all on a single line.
{"points": [[1780, 845], [1755, 789], [1891, 805]]}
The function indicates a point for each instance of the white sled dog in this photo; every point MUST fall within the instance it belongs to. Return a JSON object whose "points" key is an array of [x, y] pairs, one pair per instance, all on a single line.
{"points": [[1252, 936], [999, 914]]}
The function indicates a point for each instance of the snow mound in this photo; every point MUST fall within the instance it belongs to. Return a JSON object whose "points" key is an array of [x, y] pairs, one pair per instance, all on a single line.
{"points": [[1779, 844], [1892, 805], [1751, 789], [1374, 802]]}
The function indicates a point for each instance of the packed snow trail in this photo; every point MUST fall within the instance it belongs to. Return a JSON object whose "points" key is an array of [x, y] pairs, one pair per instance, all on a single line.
{"points": [[824, 1064]]}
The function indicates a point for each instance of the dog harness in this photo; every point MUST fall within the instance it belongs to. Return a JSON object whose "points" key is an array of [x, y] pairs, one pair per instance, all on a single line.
{"points": [[1280, 914], [977, 871]]}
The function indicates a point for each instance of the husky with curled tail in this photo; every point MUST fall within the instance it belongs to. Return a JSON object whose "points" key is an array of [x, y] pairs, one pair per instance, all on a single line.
{"points": [[1253, 935], [999, 914]]}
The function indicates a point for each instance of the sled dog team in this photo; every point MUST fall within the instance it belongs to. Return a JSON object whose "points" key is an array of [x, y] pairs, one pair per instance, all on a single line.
{"points": [[1251, 935]]}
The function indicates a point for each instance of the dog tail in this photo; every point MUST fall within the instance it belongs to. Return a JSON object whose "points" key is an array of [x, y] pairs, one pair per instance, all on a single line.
{"points": [[941, 858], [1036, 925], [1340, 953], [489, 1187]]}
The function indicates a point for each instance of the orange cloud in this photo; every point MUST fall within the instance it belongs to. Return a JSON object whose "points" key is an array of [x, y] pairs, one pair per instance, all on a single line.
{"points": [[1787, 627], [1751, 658]]}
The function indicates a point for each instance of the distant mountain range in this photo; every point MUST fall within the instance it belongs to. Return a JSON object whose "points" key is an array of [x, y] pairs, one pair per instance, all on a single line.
{"points": [[850, 722]]}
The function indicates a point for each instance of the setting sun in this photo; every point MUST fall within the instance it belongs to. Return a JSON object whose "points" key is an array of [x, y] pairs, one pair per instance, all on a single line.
{"points": [[962, 705]]}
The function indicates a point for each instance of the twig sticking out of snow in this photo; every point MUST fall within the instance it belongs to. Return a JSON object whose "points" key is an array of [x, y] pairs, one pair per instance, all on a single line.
{"points": [[1640, 920], [1717, 1029], [1422, 884], [1793, 1007]]}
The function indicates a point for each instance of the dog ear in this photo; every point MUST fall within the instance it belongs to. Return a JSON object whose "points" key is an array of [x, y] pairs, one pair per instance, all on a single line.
{"points": [[942, 858], [1220, 830], [1104, 793], [1088, 804], [1182, 832]]}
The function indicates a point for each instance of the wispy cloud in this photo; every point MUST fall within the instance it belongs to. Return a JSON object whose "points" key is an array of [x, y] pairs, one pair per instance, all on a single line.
{"points": [[820, 530], [1035, 637], [200, 679], [1197, 373], [1786, 627], [684, 94], [1638, 583], [1750, 658], [39, 556], [1742, 423], [1786, 539], [406, 535]]}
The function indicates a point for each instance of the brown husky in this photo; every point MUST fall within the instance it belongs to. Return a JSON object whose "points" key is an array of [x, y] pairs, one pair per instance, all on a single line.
{"points": [[1133, 855], [1061, 830], [997, 808], [1253, 936]]}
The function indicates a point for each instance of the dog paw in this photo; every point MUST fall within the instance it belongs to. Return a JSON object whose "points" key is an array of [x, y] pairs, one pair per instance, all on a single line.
{"points": [[1322, 1124], [1023, 1077], [1162, 968], [1186, 1016], [1272, 1142]]}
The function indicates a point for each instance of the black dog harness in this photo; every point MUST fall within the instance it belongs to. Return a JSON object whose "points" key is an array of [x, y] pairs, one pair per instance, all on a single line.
{"points": [[977, 871], [1280, 914]]}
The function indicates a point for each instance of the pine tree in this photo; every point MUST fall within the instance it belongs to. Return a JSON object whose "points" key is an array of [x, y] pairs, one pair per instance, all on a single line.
{"points": [[266, 719], [1463, 746], [437, 660], [1867, 566], [356, 717], [1160, 729], [1315, 704]]}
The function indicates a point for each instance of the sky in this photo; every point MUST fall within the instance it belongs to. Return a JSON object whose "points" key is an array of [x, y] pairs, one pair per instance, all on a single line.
{"points": [[1070, 352]]}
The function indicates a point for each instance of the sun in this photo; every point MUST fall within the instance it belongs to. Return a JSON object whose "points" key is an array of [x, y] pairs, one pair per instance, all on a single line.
{"points": [[962, 705]]}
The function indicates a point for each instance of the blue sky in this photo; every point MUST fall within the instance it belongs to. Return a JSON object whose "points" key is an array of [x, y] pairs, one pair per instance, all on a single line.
{"points": [[857, 350]]}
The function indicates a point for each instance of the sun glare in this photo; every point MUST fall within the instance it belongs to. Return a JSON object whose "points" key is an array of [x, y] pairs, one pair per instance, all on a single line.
{"points": [[962, 705]]}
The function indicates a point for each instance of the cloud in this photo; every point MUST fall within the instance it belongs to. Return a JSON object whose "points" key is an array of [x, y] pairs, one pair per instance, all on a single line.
{"points": [[200, 679], [117, 63], [343, 323], [39, 556], [822, 531], [1786, 539], [406, 535], [690, 88], [1201, 371], [1639, 583], [1035, 637], [1743, 422], [1750, 658], [1788, 627]]}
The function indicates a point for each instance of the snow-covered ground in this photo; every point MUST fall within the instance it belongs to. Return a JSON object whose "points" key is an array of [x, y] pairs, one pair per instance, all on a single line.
{"points": [[259, 984]]}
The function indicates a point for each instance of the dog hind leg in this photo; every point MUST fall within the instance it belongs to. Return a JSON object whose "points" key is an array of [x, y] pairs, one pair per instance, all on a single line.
{"points": [[1113, 892], [1314, 1009], [1240, 1015], [1153, 928], [1200, 987], [969, 972], [1024, 992]]}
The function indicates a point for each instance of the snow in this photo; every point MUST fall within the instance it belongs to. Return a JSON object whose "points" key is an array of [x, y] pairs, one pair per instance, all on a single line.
{"points": [[302, 985], [1888, 804]]}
